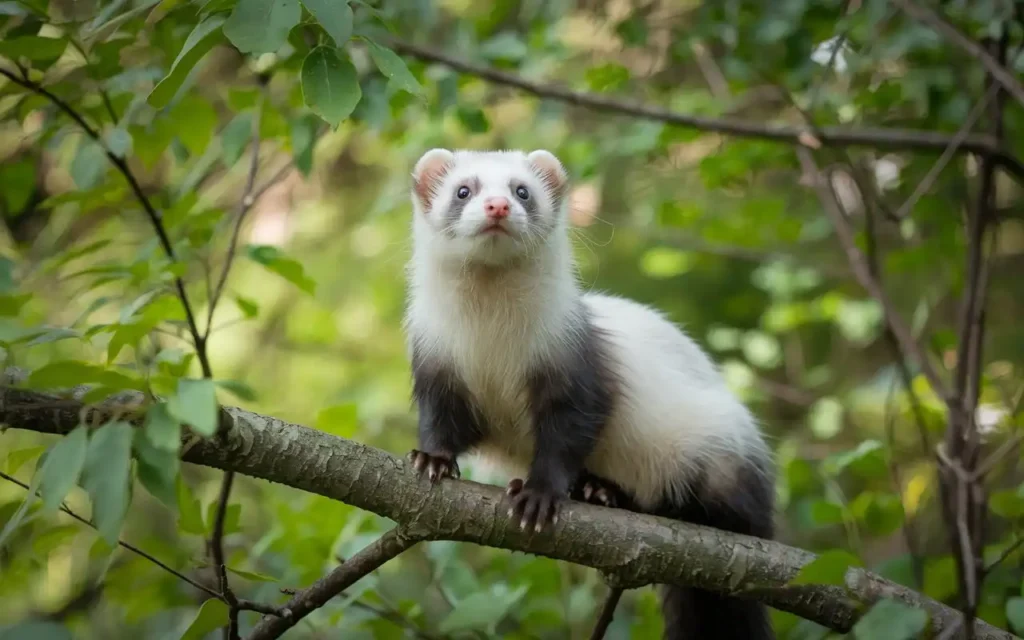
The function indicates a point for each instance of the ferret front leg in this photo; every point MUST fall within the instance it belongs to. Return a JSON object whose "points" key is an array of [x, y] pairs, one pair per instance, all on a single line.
{"points": [[448, 423]]}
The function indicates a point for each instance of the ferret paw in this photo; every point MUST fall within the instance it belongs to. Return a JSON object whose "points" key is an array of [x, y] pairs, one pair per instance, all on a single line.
{"points": [[534, 508], [436, 466], [604, 493]]}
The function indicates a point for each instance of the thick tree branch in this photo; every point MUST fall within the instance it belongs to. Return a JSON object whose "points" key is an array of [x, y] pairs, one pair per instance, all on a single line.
{"points": [[998, 71], [637, 549], [385, 548], [881, 138]]}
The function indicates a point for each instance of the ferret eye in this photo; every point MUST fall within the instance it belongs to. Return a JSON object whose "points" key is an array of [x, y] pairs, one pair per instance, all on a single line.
{"points": [[522, 193], [462, 193]]}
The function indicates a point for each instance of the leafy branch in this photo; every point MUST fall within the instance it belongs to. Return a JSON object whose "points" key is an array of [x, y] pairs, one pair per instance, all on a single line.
{"points": [[637, 550]]}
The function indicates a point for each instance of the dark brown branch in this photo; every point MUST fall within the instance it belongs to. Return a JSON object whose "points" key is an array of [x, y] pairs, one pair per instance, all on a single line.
{"points": [[880, 138], [637, 549], [996, 69], [385, 548], [217, 554], [607, 613], [121, 164], [862, 271]]}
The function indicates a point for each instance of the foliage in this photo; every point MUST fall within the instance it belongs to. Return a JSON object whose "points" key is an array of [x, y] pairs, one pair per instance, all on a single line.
{"points": [[716, 231]]}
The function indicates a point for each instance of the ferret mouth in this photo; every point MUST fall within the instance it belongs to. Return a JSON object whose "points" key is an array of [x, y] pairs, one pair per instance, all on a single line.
{"points": [[495, 228]]}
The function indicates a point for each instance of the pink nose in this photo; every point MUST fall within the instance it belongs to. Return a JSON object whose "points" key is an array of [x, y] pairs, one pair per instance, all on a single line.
{"points": [[496, 207]]}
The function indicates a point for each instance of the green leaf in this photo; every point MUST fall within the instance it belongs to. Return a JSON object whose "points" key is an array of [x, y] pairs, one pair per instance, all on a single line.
{"points": [[34, 48], [161, 429], [235, 137], [240, 389], [232, 516], [69, 373], [212, 615], [607, 77], [252, 575], [335, 16], [19, 180], [157, 469], [303, 130], [340, 420], [473, 119], [828, 568], [195, 404], [1007, 504], [248, 307], [190, 515], [289, 269], [16, 459], [330, 85], [1015, 613], [62, 467], [891, 620], [481, 611], [262, 26], [394, 69], [203, 37], [824, 512], [89, 164], [107, 477]]}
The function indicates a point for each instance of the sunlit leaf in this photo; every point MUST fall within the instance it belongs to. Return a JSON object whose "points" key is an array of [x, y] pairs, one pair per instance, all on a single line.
{"points": [[289, 269], [195, 404], [203, 37], [828, 568]]}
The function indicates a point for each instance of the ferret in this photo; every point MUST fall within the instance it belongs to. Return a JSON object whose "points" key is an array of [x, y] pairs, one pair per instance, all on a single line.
{"points": [[584, 395]]}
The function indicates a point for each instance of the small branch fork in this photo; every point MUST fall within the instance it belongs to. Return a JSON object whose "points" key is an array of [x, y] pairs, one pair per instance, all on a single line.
{"points": [[387, 547], [199, 339]]}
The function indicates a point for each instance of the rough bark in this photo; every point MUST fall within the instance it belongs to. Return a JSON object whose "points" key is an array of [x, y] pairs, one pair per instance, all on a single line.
{"points": [[636, 549]]}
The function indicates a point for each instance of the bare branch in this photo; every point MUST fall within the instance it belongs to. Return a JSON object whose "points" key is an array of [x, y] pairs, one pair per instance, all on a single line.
{"points": [[862, 271], [385, 548], [995, 68], [636, 548], [607, 613], [837, 136]]}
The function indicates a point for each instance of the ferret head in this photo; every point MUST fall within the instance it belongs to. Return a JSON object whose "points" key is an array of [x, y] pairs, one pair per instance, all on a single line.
{"points": [[488, 207]]}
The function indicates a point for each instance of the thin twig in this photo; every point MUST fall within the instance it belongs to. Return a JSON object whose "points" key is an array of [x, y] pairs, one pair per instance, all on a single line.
{"points": [[837, 136], [129, 547], [244, 205], [385, 548], [997, 70], [1007, 552], [607, 613], [217, 552], [154, 216], [862, 271], [929, 180]]}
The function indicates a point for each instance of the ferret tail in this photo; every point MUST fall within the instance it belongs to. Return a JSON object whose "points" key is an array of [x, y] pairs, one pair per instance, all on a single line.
{"points": [[696, 614]]}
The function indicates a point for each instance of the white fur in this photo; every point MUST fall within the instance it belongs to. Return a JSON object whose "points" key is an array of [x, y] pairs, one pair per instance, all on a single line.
{"points": [[493, 310]]}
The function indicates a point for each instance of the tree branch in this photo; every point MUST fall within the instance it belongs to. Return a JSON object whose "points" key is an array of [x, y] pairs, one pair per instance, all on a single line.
{"points": [[862, 271], [881, 138], [385, 548], [636, 548], [996, 70], [121, 164]]}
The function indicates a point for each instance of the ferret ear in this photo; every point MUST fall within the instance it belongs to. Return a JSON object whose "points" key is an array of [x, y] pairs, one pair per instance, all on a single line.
{"points": [[430, 169], [550, 170]]}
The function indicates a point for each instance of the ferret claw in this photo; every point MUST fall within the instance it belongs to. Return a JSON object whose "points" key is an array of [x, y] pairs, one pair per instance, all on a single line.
{"points": [[437, 466], [534, 508]]}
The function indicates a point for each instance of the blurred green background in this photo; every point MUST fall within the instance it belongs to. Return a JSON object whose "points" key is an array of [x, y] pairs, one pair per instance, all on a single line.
{"points": [[719, 232]]}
